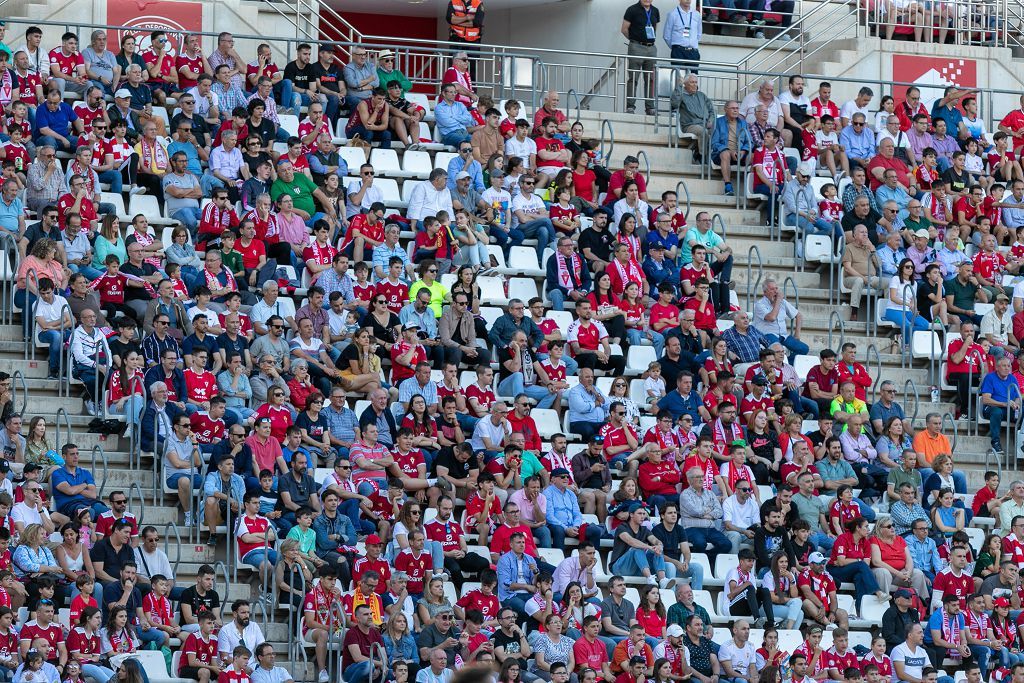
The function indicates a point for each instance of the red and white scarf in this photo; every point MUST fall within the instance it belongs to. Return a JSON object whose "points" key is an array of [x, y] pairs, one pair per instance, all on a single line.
{"points": [[630, 273], [145, 239], [564, 277], [951, 633], [214, 283], [78, 169], [721, 438], [149, 152], [633, 243], [6, 89], [738, 472]]}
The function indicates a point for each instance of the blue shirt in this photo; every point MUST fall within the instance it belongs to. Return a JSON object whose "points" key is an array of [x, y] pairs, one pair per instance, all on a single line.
{"points": [[81, 476], [473, 168], [382, 255], [935, 623], [11, 214], [683, 28], [189, 150], [426, 319], [924, 553], [411, 386], [998, 388], [889, 260], [450, 117], [563, 507], [679, 405], [342, 424], [880, 412], [512, 569], [860, 146], [583, 407], [58, 121], [951, 115]]}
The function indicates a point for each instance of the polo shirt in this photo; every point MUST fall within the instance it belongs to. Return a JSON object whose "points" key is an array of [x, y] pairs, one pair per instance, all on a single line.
{"points": [[963, 294], [809, 508], [998, 388], [300, 189], [58, 121], [10, 214], [928, 447]]}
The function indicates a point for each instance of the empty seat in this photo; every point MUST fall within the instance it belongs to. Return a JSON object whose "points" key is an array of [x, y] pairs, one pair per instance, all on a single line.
{"points": [[416, 164], [354, 157], [385, 162], [547, 422], [638, 358], [442, 159], [147, 205], [290, 122], [522, 288], [523, 261]]}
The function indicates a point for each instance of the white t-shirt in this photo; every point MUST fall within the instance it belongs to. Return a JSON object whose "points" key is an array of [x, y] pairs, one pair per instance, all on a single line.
{"points": [[913, 660], [850, 108], [50, 312], [372, 194], [801, 101], [908, 296], [741, 657], [524, 149], [495, 433], [826, 141], [501, 197], [531, 205], [25, 514], [898, 140], [734, 575]]}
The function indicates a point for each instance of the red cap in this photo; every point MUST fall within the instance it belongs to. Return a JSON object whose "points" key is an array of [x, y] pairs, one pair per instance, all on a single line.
{"points": [[373, 539]]}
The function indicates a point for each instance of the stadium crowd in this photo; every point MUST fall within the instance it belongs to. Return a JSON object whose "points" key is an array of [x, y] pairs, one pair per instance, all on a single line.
{"points": [[717, 455]]}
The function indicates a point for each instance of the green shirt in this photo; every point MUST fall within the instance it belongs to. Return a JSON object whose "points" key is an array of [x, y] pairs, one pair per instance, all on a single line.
{"points": [[963, 295], [394, 75], [233, 260], [301, 190], [437, 294], [898, 477], [678, 613], [530, 465], [710, 240], [306, 539]]}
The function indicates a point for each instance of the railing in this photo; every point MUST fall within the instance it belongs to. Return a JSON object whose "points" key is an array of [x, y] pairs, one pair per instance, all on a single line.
{"points": [[168, 528], [221, 570], [230, 548], [835, 271], [947, 416], [718, 222], [573, 96], [909, 386], [872, 350], [31, 284], [157, 457], [642, 157], [294, 648], [378, 659], [836, 321], [134, 488], [906, 349], [57, 433], [971, 22], [335, 639], [796, 298], [195, 532], [606, 154], [1013, 423], [18, 379], [870, 297], [11, 260], [681, 185], [104, 464], [752, 286]]}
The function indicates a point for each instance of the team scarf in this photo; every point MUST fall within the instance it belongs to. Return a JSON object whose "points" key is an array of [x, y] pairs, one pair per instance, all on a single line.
{"points": [[951, 633], [1004, 631], [78, 169], [736, 473], [149, 152], [565, 278], [213, 282], [373, 602], [6, 89], [145, 239], [721, 438], [632, 273], [632, 242]]}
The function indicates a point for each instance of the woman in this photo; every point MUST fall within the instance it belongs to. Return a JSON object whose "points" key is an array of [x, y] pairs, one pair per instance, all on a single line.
{"points": [[886, 108], [32, 560], [44, 264], [651, 613], [901, 304], [278, 411], [627, 235], [638, 325], [428, 280], [184, 254], [73, 557], [109, 241], [424, 429], [584, 183], [792, 430], [893, 442], [84, 645], [301, 385], [510, 670], [947, 519], [716, 363], [550, 647], [39, 450], [255, 152], [849, 562], [125, 393], [128, 56], [780, 583], [662, 671], [771, 674], [410, 518], [291, 575], [398, 641], [764, 456], [1005, 631], [989, 557], [606, 309], [359, 366], [385, 327], [292, 234], [433, 602], [574, 609], [316, 434], [891, 561], [472, 241], [619, 392], [632, 204], [118, 636], [465, 283], [941, 477], [842, 509]]}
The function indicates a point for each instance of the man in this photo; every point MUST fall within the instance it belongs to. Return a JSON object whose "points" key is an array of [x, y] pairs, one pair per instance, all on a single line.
{"points": [[818, 590], [682, 33], [241, 630], [772, 314], [800, 206], [743, 340], [266, 670], [701, 513], [737, 656], [301, 74], [454, 122], [530, 216], [859, 271], [12, 211], [740, 516], [427, 199], [947, 631], [639, 27], [588, 342], [909, 658], [898, 619], [182, 189], [509, 640], [1011, 508], [516, 571], [812, 510], [446, 531], [322, 616], [859, 142], [795, 112], [303, 193], [564, 517], [588, 409], [997, 404], [906, 511], [963, 291]]}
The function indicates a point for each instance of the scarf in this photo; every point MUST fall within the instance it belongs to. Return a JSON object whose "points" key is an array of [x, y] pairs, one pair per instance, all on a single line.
{"points": [[145, 239], [151, 152], [6, 89], [373, 602], [567, 279], [213, 282], [1004, 631], [632, 273], [951, 633], [736, 473], [633, 243], [721, 438], [77, 168], [708, 469]]}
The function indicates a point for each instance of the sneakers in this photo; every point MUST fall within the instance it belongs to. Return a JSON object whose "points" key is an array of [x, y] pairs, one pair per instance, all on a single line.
{"points": [[324, 676], [652, 581], [188, 519], [135, 189], [728, 190], [666, 583], [212, 541], [90, 407], [630, 110]]}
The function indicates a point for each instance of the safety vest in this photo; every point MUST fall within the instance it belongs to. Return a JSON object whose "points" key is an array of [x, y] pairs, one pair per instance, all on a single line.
{"points": [[460, 8]]}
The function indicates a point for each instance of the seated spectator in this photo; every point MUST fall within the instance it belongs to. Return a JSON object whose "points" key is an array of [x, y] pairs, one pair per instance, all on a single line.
{"points": [[223, 491], [818, 589]]}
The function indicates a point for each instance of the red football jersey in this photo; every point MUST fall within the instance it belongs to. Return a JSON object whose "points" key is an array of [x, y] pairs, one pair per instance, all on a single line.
{"points": [[204, 650], [396, 294]]}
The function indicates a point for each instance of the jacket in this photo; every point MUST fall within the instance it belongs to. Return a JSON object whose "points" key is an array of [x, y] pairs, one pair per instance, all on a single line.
{"points": [[450, 322], [148, 426], [797, 197], [720, 135], [182, 321], [504, 327], [324, 526], [551, 278], [156, 374]]}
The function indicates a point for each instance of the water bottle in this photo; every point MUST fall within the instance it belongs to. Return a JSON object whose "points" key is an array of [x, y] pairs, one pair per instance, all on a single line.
{"points": [[935, 394]]}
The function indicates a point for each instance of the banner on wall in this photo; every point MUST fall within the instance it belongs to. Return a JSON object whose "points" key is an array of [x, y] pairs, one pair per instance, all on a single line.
{"points": [[933, 75], [141, 18]]}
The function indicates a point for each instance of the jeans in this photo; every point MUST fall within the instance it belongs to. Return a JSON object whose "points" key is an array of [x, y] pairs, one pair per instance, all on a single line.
{"points": [[56, 341], [792, 344], [506, 240], [860, 574], [586, 430], [114, 178], [97, 672], [866, 511], [44, 140], [360, 671], [455, 137], [959, 478], [285, 96], [792, 611], [907, 321], [694, 572], [543, 230], [819, 226], [592, 534], [981, 655], [88, 271], [513, 386], [700, 538], [380, 136], [87, 375], [350, 508], [634, 561], [822, 540], [150, 635], [635, 337], [995, 415], [189, 217], [132, 409], [257, 556]]}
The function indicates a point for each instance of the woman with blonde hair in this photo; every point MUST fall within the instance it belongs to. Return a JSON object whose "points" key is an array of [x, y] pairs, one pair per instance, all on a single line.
{"points": [[398, 641]]}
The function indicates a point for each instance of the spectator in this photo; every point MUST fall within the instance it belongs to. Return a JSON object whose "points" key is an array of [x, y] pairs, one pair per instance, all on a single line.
{"points": [[906, 511], [996, 401], [701, 515], [683, 41]]}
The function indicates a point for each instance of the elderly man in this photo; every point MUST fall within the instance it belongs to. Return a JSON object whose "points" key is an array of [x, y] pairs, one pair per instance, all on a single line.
{"points": [[430, 197], [765, 94], [963, 291], [101, 65], [550, 108], [506, 325], [743, 340], [801, 207], [858, 140], [701, 515], [859, 269], [696, 112], [892, 191], [1012, 507], [885, 160], [730, 139], [907, 510], [772, 314], [949, 256], [588, 406], [457, 332], [999, 402]]}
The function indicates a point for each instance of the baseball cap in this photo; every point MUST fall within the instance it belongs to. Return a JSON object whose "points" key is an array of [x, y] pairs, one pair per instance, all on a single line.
{"points": [[674, 631], [760, 380], [373, 539], [816, 558], [123, 92], [805, 169], [1002, 297], [902, 593], [497, 173], [412, 325], [462, 175], [1001, 602], [633, 507], [922, 233]]}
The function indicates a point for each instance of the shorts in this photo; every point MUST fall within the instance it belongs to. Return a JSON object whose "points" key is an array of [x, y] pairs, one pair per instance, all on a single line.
{"points": [[189, 672], [256, 557], [172, 481]]}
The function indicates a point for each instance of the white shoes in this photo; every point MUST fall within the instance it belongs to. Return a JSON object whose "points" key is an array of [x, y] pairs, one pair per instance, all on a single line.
{"points": [[188, 519], [324, 676]]}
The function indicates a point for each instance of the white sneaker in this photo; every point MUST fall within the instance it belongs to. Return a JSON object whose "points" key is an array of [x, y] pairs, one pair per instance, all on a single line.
{"points": [[667, 583], [188, 519], [135, 189], [90, 407], [324, 677], [652, 581]]}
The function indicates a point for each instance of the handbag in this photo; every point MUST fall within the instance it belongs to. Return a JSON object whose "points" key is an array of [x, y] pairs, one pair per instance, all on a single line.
{"points": [[358, 141]]}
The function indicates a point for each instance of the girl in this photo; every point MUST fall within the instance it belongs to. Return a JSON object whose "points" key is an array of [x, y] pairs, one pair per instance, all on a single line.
{"points": [[975, 165], [514, 167], [584, 182], [472, 240], [716, 362], [989, 557], [628, 235], [125, 393], [763, 453], [575, 609], [1005, 632], [117, 637], [606, 308], [947, 519], [878, 657], [564, 215], [651, 613], [637, 323], [780, 583], [398, 640], [886, 108], [423, 427]]}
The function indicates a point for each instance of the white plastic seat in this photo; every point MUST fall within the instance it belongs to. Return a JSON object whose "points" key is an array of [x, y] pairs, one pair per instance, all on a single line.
{"points": [[562, 318], [492, 291], [638, 358], [491, 314], [407, 187], [818, 249], [392, 195], [290, 122], [547, 422], [724, 563], [416, 164], [422, 100], [442, 159], [354, 157], [523, 261], [116, 199], [147, 205], [702, 560], [522, 288], [926, 344], [385, 162]]}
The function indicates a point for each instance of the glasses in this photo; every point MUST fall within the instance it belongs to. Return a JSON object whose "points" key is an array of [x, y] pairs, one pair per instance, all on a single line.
{"points": [[431, 270], [529, 183], [159, 322], [348, 467], [278, 394], [366, 173], [858, 123], [743, 489], [277, 327], [34, 489], [414, 512], [885, 526], [466, 151]]}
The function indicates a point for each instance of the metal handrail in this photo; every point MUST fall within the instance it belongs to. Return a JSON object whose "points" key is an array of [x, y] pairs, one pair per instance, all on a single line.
{"points": [[169, 527], [57, 432], [295, 650], [909, 385], [377, 654], [219, 566], [641, 156], [870, 296], [570, 96], [796, 297], [907, 328], [63, 368], [834, 318], [157, 457], [31, 278], [681, 185], [18, 378], [8, 284], [718, 222], [197, 495], [104, 464], [751, 284], [952, 424], [132, 488], [872, 350], [1012, 423], [606, 155]]}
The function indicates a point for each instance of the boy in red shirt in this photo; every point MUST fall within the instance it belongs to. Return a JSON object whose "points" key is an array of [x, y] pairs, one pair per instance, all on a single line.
{"points": [[85, 585], [199, 659], [111, 287], [238, 670], [157, 607]]}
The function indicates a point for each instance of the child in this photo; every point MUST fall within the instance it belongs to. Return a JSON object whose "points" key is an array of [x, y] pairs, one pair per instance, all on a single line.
{"points": [[14, 150], [433, 243], [362, 290], [304, 534], [810, 153], [1017, 252], [231, 258], [564, 216], [238, 670], [72, 672], [829, 208], [296, 156], [173, 271], [85, 585], [927, 172], [878, 659], [200, 650], [975, 166], [157, 607], [654, 385], [5, 597], [9, 649], [270, 501], [1003, 164], [111, 287], [36, 669], [830, 152], [10, 173], [47, 588], [990, 206], [508, 125]]}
